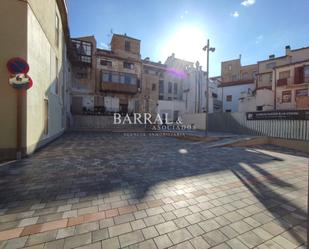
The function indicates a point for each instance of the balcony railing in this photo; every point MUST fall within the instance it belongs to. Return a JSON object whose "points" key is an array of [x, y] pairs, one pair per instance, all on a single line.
{"points": [[282, 82], [118, 87]]}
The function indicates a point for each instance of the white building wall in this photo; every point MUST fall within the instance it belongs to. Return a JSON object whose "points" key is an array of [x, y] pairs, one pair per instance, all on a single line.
{"points": [[263, 98], [170, 107], [195, 92], [41, 56], [235, 91]]}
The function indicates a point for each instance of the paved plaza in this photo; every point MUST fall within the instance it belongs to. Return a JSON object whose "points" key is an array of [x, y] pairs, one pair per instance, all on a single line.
{"points": [[107, 190]]}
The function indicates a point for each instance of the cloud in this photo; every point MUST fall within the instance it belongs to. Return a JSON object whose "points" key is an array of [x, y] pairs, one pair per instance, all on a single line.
{"points": [[258, 39], [247, 3], [103, 45], [186, 12], [235, 14]]}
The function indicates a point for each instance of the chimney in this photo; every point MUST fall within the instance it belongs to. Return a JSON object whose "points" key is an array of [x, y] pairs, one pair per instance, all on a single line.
{"points": [[240, 57], [287, 49], [272, 56]]}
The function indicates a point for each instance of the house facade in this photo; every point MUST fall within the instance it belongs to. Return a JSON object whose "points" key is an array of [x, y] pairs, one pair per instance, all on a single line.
{"points": [[152, 78], [114, 80], [278, 76], [236, 80], [39, 35], [82, 54], [292, 86]]}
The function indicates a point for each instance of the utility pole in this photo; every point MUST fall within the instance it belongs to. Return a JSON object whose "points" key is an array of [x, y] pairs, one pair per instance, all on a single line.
{"points": [[207, 48]]}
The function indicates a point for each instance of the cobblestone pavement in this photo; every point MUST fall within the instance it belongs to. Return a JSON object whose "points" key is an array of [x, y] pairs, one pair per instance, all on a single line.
{"points": [[103, 190]]}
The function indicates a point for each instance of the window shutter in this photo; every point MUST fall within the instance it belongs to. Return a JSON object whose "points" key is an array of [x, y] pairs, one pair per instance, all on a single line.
{"points": [[299, 75]]}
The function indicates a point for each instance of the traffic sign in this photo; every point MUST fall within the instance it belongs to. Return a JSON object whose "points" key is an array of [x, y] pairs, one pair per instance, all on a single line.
{"points": [[21, 81], [17, 65]]}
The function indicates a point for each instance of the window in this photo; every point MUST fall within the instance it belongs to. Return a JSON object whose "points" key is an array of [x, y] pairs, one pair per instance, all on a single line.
{"points": [[57, 31], [259, 108], [127, 79], [83, 50], [105, 63], [234, 77], [284, 74], [130, 79], [175, 88], [161, 97], [301, 92], [127, 46], [169, 98], [106, 77], [245, 76], [270, 65], [82, 73], [229, 98], [286, 96], [230, 67], [306, 74], [228, 110], [161, 86], [128, 65], [266, 78], [153, 87], [170, 86], [115, 78]]}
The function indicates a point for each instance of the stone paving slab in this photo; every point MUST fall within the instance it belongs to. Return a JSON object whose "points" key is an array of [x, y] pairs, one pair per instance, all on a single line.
{"points": [[100, 190]]}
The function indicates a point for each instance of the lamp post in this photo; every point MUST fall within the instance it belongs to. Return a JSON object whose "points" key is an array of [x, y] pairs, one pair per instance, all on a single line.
{"points": [[207, 48]]}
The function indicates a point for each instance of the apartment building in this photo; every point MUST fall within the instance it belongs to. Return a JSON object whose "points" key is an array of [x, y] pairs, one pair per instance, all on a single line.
{"points": [[82, 54], [119, 74], [152, 79], [292, 86], [39, 35], [276, 74], [235, 81], [107, 81]]}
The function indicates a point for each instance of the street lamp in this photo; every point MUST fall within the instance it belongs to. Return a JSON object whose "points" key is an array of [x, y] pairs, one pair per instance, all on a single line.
{"points": [[207, 48]]}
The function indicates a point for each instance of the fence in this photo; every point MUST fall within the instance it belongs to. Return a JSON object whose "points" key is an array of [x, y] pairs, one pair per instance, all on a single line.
{"points": [[238, 123], [97, 122], [198, 119]]}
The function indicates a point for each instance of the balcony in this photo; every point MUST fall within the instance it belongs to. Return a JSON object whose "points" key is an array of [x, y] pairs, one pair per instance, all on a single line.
{"points": [[118, 88], [119, 82], [282, 82], [80, 53]]}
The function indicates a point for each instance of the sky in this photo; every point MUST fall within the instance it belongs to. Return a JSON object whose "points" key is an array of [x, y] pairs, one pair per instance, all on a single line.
{"points": [[253, 29]]}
